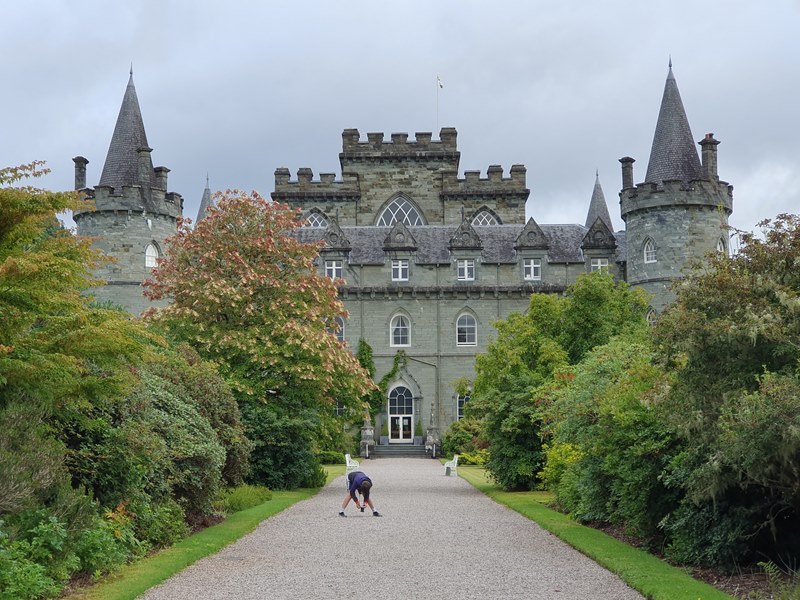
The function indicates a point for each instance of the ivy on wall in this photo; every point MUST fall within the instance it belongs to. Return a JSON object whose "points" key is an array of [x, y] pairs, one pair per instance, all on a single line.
{"points": [[376, 399]]}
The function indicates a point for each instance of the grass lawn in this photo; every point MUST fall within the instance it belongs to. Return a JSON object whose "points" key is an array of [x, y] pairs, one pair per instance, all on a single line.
{"points": [[134, 579], [649, 575]]}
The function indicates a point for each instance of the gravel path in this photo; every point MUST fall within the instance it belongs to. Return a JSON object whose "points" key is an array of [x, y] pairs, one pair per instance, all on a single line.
{"points": [[439, 538]]}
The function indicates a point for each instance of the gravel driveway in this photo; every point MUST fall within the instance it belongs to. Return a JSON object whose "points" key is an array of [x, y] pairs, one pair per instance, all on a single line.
{"points": [[439, 538]]}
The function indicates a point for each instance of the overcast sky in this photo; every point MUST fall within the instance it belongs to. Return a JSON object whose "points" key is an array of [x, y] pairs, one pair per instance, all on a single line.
{"points": [[237, 89]]}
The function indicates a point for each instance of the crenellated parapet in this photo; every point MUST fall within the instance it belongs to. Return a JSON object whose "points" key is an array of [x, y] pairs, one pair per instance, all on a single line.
{"points": [[714, 194], [493, 184], [305, 186], [134, 199], [399, 147]]}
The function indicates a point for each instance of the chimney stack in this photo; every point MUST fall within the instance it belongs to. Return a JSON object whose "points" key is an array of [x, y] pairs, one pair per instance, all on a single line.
{"points": [[144, 166], [627, 172], [80, 172], [708, 150]]}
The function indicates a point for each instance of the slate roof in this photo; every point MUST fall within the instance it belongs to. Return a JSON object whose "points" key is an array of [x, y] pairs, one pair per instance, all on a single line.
{"points": [[433, 240], [673, 155], [598, 207], [121, 166]]}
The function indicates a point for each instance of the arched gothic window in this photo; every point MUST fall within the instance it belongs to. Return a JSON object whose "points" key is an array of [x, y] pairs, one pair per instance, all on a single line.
{"points": [[484, 217], [316, 219], [649, 251], [151, 255], [651, 316], [721, 246], [400, 331], [400, 209], [466, 330]]}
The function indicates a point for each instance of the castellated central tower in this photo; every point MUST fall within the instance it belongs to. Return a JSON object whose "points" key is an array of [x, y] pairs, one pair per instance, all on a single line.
{"points": [[680, 213], [133, 212]]}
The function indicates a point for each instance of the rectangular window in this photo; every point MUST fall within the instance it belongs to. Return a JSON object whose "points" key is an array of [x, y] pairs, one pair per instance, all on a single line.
{"points": [[462, 400], [466, 270], [532, 269], [600, 264], [333, 269], [400, 270]]}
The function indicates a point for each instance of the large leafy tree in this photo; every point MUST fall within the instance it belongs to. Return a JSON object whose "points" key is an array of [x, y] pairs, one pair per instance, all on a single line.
{"points": [[733, 339], [245, 293], [515, 377]]}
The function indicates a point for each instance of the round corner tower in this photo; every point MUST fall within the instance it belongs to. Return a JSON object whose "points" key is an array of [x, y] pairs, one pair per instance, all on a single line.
{"points": [[133, 213], [680, 213]]}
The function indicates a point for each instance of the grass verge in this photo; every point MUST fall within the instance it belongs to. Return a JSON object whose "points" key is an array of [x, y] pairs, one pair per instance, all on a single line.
{"points": [[136, 578], [644, 572]]}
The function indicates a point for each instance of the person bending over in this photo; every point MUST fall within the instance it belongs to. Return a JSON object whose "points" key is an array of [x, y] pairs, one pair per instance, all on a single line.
{"points": [[358, 482]]}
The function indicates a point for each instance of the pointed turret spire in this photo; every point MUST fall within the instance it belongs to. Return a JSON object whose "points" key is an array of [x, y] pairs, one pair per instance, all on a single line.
{"points": [[204, 203], [673, 155], [122, 161], [597, 206]]}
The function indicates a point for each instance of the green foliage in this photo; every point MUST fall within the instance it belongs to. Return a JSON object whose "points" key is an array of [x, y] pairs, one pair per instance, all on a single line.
{"points": [[242, 497], [462, 437], [609, 445], [20, 577], [732, 339], [330, 457], [783, 586], [479, 457], [159, 523], [283, 456]]}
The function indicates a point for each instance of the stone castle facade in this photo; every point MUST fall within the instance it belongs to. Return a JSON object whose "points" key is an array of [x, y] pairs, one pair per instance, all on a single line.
{"points": [[426, 260]]}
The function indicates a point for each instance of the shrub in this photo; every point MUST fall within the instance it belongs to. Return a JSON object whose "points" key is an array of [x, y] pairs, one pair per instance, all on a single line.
{"points": [[479, 457], [20, 577], [282, 457], [159, 524], [462, 437], [242, 497], [330, 457]]}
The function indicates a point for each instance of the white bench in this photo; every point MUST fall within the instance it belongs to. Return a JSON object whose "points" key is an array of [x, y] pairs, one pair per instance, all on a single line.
{"points": [[451, 466], [352, 465]]}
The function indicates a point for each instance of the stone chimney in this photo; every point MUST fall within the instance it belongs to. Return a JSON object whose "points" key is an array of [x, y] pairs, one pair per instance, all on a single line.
{"points": [[627, 172], [143, 175], [161, 178], [80, 172], [708, 150]]}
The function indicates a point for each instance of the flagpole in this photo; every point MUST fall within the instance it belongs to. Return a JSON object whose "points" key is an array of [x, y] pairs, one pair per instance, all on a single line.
{"points": [[436, 83]]}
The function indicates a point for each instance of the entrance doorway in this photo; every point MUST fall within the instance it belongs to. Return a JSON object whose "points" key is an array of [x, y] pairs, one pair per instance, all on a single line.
{"points": [[401, 416]]}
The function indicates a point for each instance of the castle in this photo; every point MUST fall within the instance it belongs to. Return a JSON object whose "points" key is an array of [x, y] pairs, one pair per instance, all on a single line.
{"points": [[425, 260]]}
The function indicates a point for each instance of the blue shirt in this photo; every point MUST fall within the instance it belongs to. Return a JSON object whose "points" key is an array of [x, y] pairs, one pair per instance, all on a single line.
{"points": [[356, 481]]}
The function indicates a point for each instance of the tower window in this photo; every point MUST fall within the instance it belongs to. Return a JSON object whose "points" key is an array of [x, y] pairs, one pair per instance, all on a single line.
{"points": [[151, 256], [465, 270], [600, 264], [400, 331], [649, 251], [532, 269], [466, 331], [400, 209], [721, 246]]}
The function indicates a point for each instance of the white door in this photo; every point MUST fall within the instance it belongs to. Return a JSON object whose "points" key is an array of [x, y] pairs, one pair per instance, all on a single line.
{"points": [[401, 416]]}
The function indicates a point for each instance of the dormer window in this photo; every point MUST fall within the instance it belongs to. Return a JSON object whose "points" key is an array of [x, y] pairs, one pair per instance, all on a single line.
{"points": [[600, 264], [400, 269], [333, 269], [400, 209], [465, 269]]}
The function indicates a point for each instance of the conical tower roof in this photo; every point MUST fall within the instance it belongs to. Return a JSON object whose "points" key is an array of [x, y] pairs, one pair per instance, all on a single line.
{"points": [[673, 155], [122, 161], [598, 207], [204, 203]]}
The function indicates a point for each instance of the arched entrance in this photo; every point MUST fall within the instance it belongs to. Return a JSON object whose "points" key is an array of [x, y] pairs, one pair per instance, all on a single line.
{"points": [[401, 415]]}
